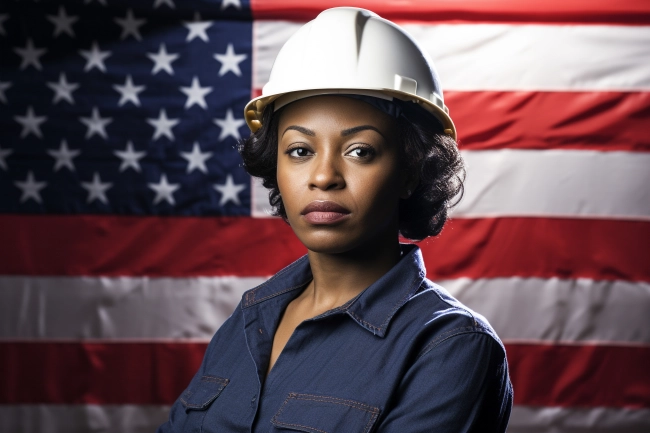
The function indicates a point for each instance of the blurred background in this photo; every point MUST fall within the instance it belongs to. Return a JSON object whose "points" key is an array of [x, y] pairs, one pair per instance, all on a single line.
{"points": [[129, 229]]}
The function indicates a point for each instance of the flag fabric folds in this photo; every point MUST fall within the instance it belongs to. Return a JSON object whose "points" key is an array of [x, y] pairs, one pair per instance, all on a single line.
{"points": [[129, 228]]}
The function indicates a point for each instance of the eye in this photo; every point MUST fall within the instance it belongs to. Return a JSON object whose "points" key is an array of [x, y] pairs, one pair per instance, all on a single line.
{"points": [[298, 152], [364, 152]]}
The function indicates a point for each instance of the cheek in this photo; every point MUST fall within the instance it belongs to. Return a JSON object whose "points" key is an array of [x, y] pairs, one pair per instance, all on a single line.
{"points": [[288, 184], [377, 191]]}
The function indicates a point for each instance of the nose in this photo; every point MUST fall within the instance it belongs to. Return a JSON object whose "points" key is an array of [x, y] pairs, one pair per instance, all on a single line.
{"points": [[326, 174]]}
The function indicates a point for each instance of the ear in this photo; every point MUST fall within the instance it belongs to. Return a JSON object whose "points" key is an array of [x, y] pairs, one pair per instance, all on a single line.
{"points": [[410, 183]]}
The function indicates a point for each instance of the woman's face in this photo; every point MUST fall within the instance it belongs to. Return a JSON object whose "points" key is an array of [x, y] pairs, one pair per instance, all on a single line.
{"points": [[338, 173]]}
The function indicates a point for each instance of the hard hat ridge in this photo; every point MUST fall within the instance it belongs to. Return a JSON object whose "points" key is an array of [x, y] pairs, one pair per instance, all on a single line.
{"points": [[352, 51]]}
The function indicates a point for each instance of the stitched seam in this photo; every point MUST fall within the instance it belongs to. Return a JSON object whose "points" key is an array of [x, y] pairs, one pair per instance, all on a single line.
{"points": [[300, 425], [223, 382], [214, 379], [433, 286], [363, 321], [335, 400], [373, 411], [402, 301], [279, 412], [257, 301], [397, 306], [250, 295], [371, 421], [451, 333]]}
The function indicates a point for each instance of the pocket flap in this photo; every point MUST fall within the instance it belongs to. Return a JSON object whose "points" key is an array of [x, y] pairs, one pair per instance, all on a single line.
{"points": [[200, 394], [322, 414]]}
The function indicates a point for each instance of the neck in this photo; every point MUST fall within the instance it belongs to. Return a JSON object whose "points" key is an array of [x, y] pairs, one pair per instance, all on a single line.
{"points": [[340, 277]]}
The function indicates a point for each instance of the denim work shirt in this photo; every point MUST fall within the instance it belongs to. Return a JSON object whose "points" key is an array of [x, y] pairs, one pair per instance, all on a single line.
{"points": [[403, 356]]}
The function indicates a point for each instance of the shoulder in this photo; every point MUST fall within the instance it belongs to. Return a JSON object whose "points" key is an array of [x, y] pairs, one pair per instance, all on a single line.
{"points": [[436, 316]]}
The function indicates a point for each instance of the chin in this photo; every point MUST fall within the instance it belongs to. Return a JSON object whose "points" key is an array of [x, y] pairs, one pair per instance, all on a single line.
{"points": [[327, 242]]}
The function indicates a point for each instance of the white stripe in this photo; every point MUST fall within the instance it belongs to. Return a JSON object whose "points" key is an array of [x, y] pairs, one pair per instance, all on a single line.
{"points": [[132, 418], [556, 183], [544, 183], [260, 207], [535, 309], [69, 308], [82, 418], [509, 57], [114, 308], [526, 419]]}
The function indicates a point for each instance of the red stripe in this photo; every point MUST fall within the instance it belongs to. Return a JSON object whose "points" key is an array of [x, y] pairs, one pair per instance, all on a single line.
{"points": [[540, 247], [604, 121], [184, 247], [156, 373], [155, 246], [591, 376], [551, 120], [549, 11], [96, 373]]}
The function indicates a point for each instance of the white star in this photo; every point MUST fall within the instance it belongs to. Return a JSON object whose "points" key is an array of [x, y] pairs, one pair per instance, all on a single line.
{"points": [[163, 60], [129, 92], [130, 25], [62, 22], [229, 126], [64, 156], [96, 124], [63, 89], [164, 190], [30, 55], [226, 3], [129, 157], [96, 189], [163, 125], [169, 3], [95, 58], [197, 29], [196, 159], [3, 18], [230, 61], [31, 188], [196, 94], [31, 123], [3, 154], [4, 85], [229, 191]]}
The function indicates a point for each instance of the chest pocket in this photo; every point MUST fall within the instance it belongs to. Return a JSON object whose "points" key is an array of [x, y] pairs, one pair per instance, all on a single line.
{"points": [[322, 414], [199, 395]]}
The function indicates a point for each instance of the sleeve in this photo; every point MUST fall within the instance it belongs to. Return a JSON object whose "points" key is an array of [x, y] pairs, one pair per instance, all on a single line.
{"points": [[178, 420], [457, 385]]}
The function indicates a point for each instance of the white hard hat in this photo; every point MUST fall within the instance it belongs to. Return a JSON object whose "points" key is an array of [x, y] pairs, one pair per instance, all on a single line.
{"points": [[352, 51]]}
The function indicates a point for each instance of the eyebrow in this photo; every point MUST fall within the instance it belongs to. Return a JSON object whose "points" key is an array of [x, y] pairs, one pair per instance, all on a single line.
{"points": [[344, 133], [356, 129], [300, 129]]}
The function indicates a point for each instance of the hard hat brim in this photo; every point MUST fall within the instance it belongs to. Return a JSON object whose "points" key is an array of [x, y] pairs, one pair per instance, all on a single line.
{"points": [[254, 109]]}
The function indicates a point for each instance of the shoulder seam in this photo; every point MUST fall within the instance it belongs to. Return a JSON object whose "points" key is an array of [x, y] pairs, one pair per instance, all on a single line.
{"points": [[433, 286], [455, 332]]}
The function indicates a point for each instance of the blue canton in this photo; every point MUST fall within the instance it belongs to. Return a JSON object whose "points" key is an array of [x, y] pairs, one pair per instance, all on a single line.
{"points": [[116, 107]]}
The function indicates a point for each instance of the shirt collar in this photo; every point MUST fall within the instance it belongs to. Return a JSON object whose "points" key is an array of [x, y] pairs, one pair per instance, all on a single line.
{"points": [[373, 308]]}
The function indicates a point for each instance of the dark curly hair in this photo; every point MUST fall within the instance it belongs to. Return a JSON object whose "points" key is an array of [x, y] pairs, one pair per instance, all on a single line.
{"points": [[425, 150]]}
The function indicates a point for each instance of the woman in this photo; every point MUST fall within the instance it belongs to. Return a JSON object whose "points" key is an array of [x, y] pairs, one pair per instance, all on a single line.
{"points": [[355, 144]]}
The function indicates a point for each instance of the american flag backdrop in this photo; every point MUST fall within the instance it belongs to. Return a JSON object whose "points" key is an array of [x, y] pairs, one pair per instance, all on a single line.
{"points": [[129, 229]]}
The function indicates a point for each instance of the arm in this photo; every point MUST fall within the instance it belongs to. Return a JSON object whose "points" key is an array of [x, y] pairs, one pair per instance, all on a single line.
{"points": [[178, 419], [458, 384]]}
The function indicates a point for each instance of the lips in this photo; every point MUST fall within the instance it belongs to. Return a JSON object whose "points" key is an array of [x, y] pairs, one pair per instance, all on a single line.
{"points": [[324, 212]]}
